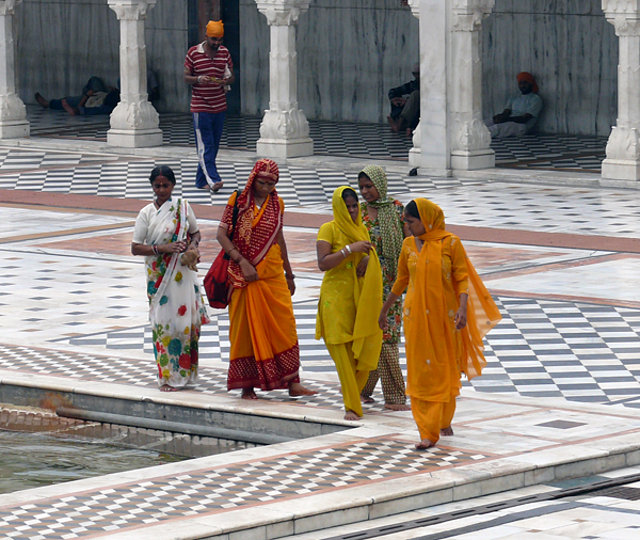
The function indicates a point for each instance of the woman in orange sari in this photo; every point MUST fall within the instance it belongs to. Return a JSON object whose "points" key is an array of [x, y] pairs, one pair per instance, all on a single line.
{"points": [[262, 331], [447, 311]]}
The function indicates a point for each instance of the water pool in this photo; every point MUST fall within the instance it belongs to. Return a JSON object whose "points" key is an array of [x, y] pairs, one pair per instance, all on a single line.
{"points": [[29, 460]]}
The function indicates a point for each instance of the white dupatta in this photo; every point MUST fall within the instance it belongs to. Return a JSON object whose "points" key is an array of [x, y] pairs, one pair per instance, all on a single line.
{"points": [[169, 224]]}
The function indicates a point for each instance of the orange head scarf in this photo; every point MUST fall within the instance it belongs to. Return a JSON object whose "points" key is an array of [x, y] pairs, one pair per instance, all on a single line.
{"points": [[215, 29], [482, 313], [526, 76]]}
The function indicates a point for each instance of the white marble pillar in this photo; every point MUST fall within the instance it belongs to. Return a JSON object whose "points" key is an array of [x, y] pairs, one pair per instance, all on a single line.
{"points": [[284, 131], [13, 113], [433, 131], [451, 134], [470, 138], [414, 152], [134, 122], [623, 148]]}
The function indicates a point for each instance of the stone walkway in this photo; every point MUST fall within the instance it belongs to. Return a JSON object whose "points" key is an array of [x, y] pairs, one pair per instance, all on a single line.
{"points": [[558, 399]]}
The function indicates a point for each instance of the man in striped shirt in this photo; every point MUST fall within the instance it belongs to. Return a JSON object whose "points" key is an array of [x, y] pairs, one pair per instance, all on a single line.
{"points": [[208, 68]]}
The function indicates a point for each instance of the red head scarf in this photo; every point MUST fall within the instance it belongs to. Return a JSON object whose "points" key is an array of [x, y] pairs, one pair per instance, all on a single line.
{"points": [[256, 230], [526, 76]]}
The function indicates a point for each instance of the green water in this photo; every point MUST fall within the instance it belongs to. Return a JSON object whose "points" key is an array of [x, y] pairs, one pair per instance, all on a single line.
{"points": [[29, 460]]}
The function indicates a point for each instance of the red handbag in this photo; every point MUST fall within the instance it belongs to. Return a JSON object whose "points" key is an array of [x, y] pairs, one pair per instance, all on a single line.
{"points": [[216, 282]]}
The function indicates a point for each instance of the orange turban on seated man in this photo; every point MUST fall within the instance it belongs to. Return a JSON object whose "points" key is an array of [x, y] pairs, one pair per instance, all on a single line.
{"points": [[526, 76], [215, 29]]}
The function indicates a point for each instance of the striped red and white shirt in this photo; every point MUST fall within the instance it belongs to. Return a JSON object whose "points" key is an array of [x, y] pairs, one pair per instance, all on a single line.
{"points": [[209, 98]]}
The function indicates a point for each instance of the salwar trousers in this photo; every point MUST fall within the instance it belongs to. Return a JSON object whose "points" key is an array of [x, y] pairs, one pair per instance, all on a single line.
{"points": [[352, 380], [391, 375], [432, 416]]}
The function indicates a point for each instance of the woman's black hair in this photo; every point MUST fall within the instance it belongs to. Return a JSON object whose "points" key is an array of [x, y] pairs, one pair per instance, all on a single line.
{"points": [[412, 210], [349, 193], [162, 170]]}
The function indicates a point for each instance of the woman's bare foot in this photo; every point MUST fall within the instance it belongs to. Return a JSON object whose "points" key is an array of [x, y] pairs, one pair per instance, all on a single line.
{"points": [[168, 388], [351, 416], [296, 389], [216, 187], [397, 407], [424, 444], [446, 432], [367, 399], [68, 108], [41, 101], [248, 393]]}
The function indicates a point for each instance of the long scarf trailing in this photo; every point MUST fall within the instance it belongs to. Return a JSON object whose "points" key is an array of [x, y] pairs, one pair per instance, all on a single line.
{"points": [[368, 294], [176, 309], [390, 226], [482, 313], [256, 229]]}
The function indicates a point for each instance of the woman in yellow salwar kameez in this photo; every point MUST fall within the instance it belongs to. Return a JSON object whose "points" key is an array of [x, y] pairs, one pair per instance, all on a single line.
{"points": [[350, 298], [447, 311], [262, 328]]}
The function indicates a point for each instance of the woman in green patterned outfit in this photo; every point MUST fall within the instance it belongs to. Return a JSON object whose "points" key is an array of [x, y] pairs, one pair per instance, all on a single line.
{"points": [[382, 216]]}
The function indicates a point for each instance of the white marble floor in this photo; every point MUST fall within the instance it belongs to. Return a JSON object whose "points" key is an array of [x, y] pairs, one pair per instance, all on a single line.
{"points": [[571, 314]]}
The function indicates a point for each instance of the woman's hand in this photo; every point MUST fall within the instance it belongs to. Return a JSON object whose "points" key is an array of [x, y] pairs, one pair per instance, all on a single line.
{"points": [[248, 270], [173, 247], [460, 319], [362, 266], [360, 247], [291, 284], [383, 323]]}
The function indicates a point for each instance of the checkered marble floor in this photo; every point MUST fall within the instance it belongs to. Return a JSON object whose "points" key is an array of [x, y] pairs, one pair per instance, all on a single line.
{"points": [[111, 176], [197, 493], [554, 152], [580, 352], [539, 151]]}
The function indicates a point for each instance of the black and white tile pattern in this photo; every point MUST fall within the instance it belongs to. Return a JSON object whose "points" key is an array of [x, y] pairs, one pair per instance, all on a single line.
{"points": [[537, 151], [165, 498]]}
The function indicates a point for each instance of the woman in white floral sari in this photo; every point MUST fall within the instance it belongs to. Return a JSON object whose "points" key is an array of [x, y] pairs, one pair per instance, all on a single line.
{"points": [[164, 230]]}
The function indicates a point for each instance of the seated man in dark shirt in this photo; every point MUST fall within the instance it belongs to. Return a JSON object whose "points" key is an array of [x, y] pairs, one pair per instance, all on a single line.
{"points": [[405, 104]]}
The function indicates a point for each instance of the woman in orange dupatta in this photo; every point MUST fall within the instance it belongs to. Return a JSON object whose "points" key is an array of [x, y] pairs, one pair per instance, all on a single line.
{"points": [[447, 311], [262, 331]]}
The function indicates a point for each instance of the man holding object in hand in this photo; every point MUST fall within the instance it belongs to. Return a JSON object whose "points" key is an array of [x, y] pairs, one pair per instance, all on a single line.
{"points": [[208, 68]]}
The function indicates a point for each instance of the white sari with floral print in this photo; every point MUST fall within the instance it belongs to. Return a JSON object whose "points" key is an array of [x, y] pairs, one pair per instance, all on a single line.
{"points": [[176, 308]]}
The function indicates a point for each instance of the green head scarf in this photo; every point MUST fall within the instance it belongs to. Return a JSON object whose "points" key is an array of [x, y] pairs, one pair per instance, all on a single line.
{"points": [[390, 224]]}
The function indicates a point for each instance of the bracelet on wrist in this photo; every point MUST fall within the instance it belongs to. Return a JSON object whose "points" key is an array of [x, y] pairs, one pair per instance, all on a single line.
{"points": [[343, 253], [348, 248], [154, 247]]}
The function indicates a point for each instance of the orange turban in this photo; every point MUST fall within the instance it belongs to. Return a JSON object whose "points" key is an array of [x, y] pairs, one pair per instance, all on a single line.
{"points": [[526, 76], [215, 29]]}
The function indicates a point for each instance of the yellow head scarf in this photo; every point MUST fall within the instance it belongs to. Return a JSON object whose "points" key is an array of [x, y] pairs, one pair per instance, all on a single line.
{"points": [[215, 29], [367, 293]]}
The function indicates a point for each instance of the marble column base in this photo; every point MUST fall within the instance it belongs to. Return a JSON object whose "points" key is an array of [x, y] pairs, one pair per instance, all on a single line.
{"points": [[469, 161], [14, 129], [134, 138], [621, 169], [284, 148]]}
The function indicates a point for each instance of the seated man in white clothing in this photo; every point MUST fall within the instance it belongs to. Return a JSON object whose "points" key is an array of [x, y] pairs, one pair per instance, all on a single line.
{"points": [[521, 112]]}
